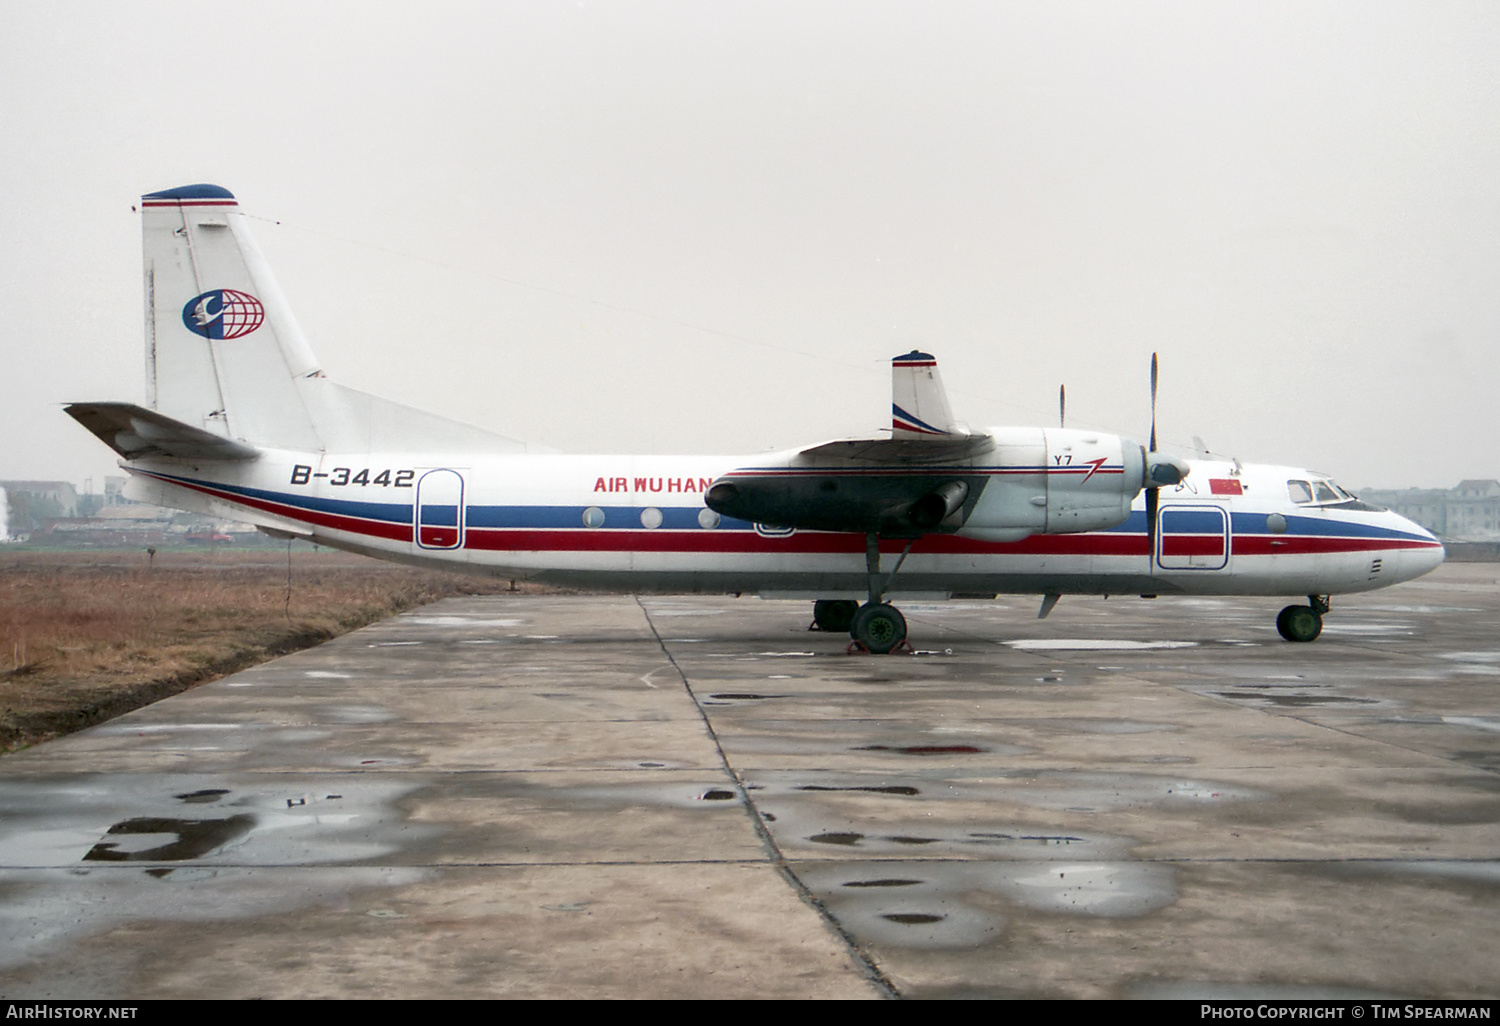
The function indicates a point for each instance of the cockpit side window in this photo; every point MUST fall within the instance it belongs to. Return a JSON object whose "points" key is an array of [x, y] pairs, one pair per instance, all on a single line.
{"points": [[1325, 493], [1300, 491]]}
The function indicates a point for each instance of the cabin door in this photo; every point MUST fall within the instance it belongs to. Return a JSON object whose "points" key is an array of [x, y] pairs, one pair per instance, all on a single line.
{"points": [[1192, 538], [440, 510]]}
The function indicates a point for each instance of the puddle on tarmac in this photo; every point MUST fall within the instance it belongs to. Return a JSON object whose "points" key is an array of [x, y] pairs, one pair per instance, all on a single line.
{"points": [[963, 904], [683, 611], [1086, 725], [889, 740], [159, 839], [1294, 701], [797, 796], [922, 749], [884, 882], [1472, 657], [1093, 645], [1489, 723], [1369, 629], [1481, 872], [253, 821], [701, 793], [460, 621]]}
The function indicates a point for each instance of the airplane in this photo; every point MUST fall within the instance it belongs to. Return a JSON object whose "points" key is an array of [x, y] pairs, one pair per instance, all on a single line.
{"points": [[243, 424]]}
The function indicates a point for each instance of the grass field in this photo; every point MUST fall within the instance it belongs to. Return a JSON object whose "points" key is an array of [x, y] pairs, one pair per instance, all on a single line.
{"points": [[87, 636]]}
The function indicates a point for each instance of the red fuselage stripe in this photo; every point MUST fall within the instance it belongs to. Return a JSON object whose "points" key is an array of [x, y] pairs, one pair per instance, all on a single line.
{"points": [[1104, 543]]}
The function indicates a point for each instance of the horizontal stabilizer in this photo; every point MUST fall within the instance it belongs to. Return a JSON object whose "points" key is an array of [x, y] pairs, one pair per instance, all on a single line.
{"points": [[138, 433]]}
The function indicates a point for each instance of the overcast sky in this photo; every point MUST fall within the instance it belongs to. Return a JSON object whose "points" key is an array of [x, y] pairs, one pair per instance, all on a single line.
{"points": [[707, 226]]}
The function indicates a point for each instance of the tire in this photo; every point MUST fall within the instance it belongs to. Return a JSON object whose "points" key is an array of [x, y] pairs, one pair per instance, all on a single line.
{"points": [[878, 627], [1299, 623], [834, 615]]}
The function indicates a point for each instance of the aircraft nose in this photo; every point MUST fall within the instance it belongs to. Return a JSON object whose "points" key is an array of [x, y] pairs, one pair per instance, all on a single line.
{"points": [[1420, 559]]}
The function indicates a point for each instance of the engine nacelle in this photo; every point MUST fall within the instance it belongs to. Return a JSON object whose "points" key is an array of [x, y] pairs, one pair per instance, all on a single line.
{"points": [[1057, 481], [1008, 484]]}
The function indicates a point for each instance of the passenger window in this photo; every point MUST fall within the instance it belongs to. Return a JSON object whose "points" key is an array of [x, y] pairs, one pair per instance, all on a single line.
{"points": [[1300, 491]]}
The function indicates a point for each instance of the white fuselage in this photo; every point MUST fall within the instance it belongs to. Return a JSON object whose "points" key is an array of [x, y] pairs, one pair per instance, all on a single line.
{"points": [[639, 523]]}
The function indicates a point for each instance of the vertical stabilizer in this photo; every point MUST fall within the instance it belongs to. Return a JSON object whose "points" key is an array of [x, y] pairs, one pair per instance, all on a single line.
{"points": [[919, 406], [222, 349], [224, 354]]}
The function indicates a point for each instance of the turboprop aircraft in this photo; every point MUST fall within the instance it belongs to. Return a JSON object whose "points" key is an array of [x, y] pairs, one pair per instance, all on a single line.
{"points": [[243, 424]]}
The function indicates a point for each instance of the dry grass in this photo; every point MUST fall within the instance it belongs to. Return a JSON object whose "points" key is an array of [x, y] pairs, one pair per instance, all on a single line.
{"points": [[87, 636]]}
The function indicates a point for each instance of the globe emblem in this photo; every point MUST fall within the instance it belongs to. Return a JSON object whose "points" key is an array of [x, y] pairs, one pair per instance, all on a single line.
{"points": [[223, 313], [242, 313]]}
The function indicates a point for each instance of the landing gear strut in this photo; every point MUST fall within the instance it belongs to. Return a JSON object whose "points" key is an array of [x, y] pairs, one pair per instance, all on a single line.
{"points": [[1303, 623], [879, 627]]}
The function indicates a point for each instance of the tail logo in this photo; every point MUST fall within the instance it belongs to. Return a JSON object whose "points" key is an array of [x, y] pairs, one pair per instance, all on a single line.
{"points": [[223, 313]]}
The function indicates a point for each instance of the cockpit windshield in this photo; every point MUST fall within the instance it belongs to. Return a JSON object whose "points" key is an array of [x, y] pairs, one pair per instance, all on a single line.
{"points": [[1320, 491]]}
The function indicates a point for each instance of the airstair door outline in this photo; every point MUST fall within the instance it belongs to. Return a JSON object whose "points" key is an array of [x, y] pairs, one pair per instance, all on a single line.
{"points": [[440, 510], [1192, 538]]}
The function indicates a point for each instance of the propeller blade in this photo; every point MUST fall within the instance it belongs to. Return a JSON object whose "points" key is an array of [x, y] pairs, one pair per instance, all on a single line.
{"points": [[1062, 405], [1153, 495], [1153, 402]]}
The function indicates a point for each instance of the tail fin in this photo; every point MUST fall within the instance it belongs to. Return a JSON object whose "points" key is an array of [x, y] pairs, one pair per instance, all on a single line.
{"points": [[919, 406], [222, 350], [225, 354]]}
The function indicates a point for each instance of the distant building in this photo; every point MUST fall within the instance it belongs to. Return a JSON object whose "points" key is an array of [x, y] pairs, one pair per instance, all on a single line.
{"points": [[1469, 512], [33, 503]]}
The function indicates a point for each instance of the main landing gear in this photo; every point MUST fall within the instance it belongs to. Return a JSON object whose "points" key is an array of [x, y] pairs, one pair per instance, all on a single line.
{"points": [[834, 615], [875, 626], [1303, 623], [878, 628]]}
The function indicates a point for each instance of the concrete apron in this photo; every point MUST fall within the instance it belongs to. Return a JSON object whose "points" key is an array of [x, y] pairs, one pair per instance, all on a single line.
{"points": [[694, 797]]}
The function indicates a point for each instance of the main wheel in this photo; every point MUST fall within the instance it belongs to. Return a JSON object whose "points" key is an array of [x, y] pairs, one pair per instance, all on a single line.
{"points": [[1299, 623], [878, 627], [834, 615]]}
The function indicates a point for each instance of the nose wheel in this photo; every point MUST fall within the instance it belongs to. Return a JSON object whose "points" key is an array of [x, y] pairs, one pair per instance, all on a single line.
{"points": [[1302, 623]]}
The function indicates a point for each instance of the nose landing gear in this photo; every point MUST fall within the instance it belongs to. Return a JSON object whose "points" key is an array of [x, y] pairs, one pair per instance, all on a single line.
{"points": [[1303, 623]]}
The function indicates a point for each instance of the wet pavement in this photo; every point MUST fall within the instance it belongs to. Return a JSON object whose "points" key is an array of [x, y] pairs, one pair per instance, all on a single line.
{"points": [[580, 796]]}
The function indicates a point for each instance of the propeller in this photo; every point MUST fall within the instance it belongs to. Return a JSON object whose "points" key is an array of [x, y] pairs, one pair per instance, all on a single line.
{"points": [[1161, 469], [1153, 492]]}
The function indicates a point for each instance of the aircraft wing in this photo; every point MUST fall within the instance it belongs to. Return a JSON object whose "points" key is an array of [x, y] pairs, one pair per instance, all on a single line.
{"points": [[923, 478], [138, 433], [900, 451]]}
